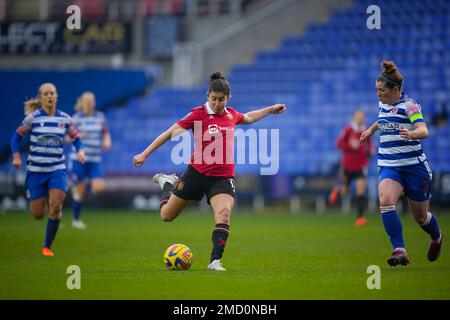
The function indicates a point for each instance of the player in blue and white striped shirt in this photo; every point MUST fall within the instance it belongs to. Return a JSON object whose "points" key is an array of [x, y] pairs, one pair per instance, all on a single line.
{"points": [[93, 129], [46, 170], [403, 165]]}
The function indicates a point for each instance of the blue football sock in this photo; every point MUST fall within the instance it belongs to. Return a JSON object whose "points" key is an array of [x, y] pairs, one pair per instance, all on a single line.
{"points": [[431, 227], [393, 227], [52, 228], [76, 209]]}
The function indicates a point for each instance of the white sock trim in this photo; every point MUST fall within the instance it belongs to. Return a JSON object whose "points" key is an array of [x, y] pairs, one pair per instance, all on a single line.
{"points": [[429, 216], [384, 209]]}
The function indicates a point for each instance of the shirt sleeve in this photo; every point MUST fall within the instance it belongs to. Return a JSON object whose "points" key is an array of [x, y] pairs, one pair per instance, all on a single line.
{"points": [[414, 112], [105, 128], [239, 117], [188, 121], [26, 125], [72, 129]]}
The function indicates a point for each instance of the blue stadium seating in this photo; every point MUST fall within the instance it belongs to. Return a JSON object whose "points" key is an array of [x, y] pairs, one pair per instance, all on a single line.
{"points": [[323, 75]]}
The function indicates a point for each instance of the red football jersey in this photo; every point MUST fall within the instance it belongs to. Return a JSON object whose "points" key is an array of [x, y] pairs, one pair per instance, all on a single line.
{"points": [[354, 159], [213, 139]]}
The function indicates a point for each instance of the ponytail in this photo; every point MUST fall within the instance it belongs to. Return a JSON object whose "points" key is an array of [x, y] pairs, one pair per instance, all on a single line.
{"points": [[31, 105], [390, 75]]}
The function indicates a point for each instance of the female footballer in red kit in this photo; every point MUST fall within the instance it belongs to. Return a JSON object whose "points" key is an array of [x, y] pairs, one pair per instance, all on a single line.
{"points": [[211, 169]]}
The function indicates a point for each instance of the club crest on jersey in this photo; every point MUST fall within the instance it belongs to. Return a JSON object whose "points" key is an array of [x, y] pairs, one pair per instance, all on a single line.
{"points": [[393, 111], [230, 116], [414, 110], [180, 185], [61, 125]]}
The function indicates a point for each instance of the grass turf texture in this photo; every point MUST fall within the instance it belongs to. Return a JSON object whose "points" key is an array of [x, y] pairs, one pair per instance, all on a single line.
{"points": [[268, 256]]}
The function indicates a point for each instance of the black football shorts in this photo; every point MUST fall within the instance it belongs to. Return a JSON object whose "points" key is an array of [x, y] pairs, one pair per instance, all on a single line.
{"points": [[192, 185]]}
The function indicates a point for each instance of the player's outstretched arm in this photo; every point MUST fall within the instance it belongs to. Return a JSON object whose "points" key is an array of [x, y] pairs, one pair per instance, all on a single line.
{"points": [[173, 131], [368, 133], [257, 115]]}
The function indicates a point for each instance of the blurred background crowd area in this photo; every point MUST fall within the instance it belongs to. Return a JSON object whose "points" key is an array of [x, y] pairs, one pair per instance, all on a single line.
{"points": [[148, 62]]}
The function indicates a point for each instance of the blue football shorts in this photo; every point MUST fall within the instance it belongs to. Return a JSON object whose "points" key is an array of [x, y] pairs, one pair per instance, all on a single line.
{"points": [[91, 170], [39, 183], [415, 179]]}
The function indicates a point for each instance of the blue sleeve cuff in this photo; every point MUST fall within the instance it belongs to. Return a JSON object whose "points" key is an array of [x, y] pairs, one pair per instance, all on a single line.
{"points": [[77, 144], [15, 142]]}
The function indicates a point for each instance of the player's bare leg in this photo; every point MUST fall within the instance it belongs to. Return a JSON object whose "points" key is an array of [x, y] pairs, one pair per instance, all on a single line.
{"points": [[39, 207], [222, 204], [428, 222], [170, 210], [98, 186], [170, 205]]}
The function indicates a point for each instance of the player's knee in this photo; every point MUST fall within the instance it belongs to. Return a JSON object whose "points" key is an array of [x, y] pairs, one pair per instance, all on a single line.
{"points": [[224, 215], [98, 189], [54, 211], [38, 210], [38, 214], [386, 200], [55, 215], [421, 218], [166, 216]]}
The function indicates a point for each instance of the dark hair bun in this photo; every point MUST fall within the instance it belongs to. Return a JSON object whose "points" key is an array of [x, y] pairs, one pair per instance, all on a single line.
{"points": [[388, 67], [217, 76]]}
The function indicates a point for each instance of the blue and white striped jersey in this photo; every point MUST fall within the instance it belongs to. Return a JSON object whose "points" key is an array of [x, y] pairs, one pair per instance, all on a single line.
{"points": [[91, 129], [46, 153], [393, 151]]}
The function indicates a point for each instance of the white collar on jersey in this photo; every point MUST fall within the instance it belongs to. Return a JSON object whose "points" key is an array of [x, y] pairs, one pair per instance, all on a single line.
{"points": [[209, 110]]}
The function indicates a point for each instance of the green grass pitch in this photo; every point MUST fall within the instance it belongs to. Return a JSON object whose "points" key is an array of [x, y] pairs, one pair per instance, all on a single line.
{"points": [[272, 255]]}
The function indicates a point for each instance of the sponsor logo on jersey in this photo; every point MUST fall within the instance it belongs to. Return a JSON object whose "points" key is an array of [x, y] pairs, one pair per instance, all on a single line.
{"points": [[49, 140], [393, 111], [389, 126], [180, 185]]}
